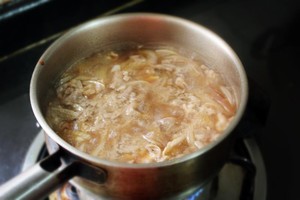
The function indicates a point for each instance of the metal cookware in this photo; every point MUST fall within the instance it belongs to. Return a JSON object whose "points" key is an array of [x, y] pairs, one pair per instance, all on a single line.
{"points": [[113, 180]]}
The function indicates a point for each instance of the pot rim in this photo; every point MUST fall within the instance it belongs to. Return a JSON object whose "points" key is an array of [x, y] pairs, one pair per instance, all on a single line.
{"points": [[102, 162]]}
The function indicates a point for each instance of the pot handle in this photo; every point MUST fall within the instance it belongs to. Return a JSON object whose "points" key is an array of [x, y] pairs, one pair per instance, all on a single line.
{"points": [[46, 176]]}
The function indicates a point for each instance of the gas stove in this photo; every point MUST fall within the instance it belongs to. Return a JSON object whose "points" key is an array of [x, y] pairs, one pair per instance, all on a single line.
{"points": [[262, 33], [242, 177]]}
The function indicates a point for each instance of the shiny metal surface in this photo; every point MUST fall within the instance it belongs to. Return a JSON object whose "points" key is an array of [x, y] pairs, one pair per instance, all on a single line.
{"points": [[261, 183], [230, 178], [37, 181], [141, 181], [33, 152]]}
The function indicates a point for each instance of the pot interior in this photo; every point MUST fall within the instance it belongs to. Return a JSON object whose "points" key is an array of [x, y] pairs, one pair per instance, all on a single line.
{"points": [[128, 31]]}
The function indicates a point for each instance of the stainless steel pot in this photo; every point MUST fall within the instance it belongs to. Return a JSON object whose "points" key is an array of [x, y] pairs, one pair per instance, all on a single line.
{"points": [[113, 180]]}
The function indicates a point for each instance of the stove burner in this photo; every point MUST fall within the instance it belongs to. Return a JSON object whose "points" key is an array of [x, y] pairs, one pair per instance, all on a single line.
{"points": [[243, 177], [69, 192], [66, 192], [196, 195]]}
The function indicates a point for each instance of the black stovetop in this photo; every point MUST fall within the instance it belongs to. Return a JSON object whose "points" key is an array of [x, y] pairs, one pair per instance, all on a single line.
{"points": [[263, 33]]}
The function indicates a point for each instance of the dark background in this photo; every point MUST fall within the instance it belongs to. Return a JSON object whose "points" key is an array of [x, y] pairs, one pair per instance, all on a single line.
{"points": [[264, 34]]}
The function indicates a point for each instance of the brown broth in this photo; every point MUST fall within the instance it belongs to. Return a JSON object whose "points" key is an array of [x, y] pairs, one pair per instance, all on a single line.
{"points": [[141, 106]]}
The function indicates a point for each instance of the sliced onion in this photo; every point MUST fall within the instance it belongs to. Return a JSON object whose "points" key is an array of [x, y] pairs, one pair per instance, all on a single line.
{"points": [[154, 151], [228, 95], [172, 144], [150, 56]]}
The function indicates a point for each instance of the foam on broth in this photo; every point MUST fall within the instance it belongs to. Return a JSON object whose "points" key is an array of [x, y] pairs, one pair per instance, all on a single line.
{"points": [[140, 106]]}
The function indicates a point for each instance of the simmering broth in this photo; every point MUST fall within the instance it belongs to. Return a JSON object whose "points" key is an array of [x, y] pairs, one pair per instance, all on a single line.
{"points": [[144, 105]]}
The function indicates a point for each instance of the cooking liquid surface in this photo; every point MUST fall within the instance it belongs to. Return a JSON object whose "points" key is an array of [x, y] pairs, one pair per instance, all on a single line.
{"points": [[141, 106]]}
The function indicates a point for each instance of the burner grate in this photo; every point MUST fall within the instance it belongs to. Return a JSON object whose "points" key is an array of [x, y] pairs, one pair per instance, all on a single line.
{"points": [[239, 179]]}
